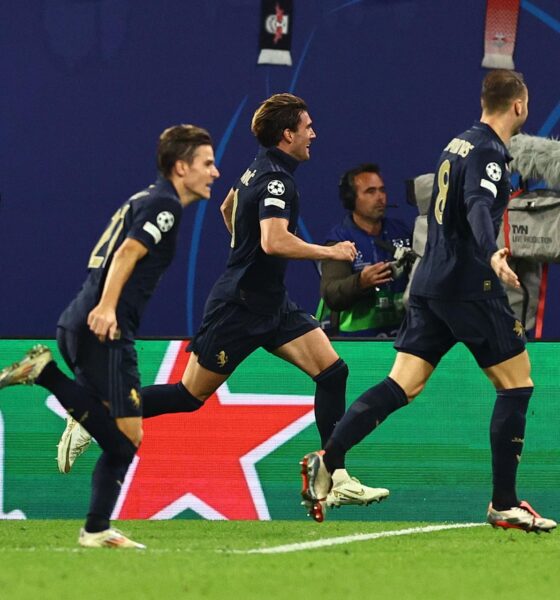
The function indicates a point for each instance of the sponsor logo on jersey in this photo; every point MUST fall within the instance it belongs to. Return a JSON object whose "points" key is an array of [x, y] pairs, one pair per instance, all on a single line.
{"points": [[165, 221], [276, 187], [494, 171]]}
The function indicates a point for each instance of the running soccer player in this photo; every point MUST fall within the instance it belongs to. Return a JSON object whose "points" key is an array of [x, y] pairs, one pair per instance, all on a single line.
{"points": [[457, 296], [96, 332], [248, 306]]}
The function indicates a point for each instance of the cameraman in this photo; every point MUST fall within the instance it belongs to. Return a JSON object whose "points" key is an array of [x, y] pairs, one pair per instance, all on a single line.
{"points": [[365, 296]]}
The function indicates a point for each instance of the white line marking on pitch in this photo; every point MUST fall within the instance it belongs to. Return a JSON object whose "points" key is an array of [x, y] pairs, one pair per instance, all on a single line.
{"points": [[358, 537]]}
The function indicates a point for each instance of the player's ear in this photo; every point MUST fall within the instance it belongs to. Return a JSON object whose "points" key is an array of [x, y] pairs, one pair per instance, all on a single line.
{"points": [[288, 135], [181, 168]]}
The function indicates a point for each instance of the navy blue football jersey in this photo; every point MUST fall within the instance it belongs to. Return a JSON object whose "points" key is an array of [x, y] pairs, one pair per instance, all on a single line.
{"points": [[266, 189], [470, 194], [152, 217]]}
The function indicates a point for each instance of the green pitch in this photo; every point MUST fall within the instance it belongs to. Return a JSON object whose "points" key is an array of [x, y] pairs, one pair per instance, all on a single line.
{"points": [[195, 559]]}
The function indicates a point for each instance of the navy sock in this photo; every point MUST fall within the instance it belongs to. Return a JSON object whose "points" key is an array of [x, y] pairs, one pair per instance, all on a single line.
{"points": [[363, 416], [507, 433], [83, 406], [107, 479], [330, 398], [167, 398]]}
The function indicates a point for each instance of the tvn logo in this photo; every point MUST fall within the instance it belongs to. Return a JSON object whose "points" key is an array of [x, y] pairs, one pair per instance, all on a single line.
{"points": [[520, 229]]}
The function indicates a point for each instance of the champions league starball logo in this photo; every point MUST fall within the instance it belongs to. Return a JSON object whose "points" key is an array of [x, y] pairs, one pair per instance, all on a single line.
{"points": [[276, 187], [494, 171], [165, 221]]}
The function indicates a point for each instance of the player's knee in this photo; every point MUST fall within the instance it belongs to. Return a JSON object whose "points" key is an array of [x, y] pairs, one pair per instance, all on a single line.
{"points": [[333, 376], [136, 437], [196, 388], [414, 389], [132, 429]]}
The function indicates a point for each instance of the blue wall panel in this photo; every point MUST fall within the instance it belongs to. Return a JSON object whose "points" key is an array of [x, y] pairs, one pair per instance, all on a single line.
{"points": [[88, 85]]}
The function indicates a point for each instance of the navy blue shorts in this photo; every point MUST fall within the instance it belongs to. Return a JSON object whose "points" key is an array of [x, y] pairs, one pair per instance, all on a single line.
{"points": [[230, 332], [108, 370], [488, 328]]}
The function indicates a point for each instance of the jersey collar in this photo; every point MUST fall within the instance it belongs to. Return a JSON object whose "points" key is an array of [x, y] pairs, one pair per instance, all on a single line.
{"points": [[165, 185], [285, 160], [489, 130]]}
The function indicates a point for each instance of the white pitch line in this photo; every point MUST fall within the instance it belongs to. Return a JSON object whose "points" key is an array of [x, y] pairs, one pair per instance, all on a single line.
{"points": [[348, 539]]}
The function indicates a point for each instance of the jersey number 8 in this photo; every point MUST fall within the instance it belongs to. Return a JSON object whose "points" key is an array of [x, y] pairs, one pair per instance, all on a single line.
{"points": [[443, 188]]}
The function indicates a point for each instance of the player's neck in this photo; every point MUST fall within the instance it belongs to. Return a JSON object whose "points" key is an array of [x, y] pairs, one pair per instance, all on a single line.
{"points": [[370, 226], [501, 126], [185, 197]]}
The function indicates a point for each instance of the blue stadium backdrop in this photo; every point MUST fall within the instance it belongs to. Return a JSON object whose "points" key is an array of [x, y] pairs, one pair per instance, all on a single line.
{"points": [[88, 86], [237, 458]]}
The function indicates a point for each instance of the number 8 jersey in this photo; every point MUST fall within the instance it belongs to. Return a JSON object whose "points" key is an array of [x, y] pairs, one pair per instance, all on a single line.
{"points": [[151, 217], [471, 191]]}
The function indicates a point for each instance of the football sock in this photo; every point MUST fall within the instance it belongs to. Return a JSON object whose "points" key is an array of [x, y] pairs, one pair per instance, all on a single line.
{"points": [[107, 479], [330, 398], [85, 408], [507, 433], [363, 416], [167, 398]]}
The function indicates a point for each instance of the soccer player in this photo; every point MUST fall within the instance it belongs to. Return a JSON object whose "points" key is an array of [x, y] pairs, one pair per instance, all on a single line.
{"points": [[96, 332], [248, 306], [457, 296]]}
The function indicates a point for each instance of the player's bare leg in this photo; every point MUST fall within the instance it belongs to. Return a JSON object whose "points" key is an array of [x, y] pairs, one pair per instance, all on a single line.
{"points": [[512, 373], [199, 381], [411, 373], [311, 352]]}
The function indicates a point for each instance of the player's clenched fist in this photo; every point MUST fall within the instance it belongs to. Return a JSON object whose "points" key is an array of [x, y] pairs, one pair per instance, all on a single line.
{"points": [[343, 251]]}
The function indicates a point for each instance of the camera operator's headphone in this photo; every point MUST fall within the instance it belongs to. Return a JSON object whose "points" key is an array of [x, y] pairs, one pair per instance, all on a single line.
{"points": [[346, 190]]}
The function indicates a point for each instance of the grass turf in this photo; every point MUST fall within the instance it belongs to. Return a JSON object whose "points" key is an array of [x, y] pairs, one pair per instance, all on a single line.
{"points": [[196, 559]]}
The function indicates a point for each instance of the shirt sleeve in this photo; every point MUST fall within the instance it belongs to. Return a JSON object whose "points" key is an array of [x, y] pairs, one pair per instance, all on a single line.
{"points": [[277, 194], [484, 178], [156, 222]]}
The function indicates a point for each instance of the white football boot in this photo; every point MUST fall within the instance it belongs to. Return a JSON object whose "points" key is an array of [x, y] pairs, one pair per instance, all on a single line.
{"points": [[74, 442], [348, 490], [519, 517], [109, 538]]}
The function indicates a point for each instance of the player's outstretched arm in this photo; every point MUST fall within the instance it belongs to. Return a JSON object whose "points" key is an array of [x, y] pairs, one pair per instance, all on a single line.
{"points": [[276, 240], [226, 209], [102, 320], [499, 263]]}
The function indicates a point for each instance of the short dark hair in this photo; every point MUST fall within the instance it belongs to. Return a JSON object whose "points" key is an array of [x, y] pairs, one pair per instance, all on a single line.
{"points": [[274, 115], [179, 143], [500, 88], [346, 186]]}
